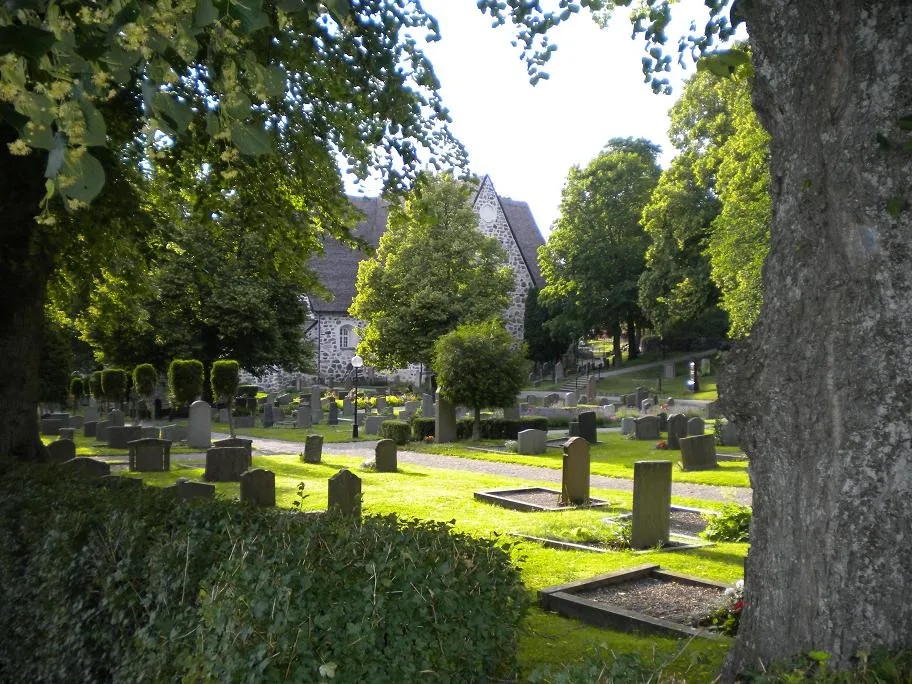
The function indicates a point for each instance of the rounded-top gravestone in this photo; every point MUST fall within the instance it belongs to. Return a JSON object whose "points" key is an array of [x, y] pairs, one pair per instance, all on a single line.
{"points": [[200, 433]]}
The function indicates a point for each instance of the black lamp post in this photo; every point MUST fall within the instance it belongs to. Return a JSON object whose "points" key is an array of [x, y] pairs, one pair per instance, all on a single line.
{"points": [[356, 363]]}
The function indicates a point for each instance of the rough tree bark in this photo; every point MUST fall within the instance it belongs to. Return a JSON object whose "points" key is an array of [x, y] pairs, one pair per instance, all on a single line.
{"points": [[25, 265], [823, 389]]}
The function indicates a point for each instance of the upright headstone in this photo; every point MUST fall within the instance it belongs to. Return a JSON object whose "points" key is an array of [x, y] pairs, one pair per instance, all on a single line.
{"points": [[531, 442], [705, 366], [609, 410], [258, 487], [50, 427], [66, 433], [628, 426], [647, 427], [571, 399], [173, 433], [729, 434], [677, 428], [385, 456], [200, 433], [575, 475], [591, 389], [268, 415], [511, 412], [316, 404], [712, 410], [444, 421], [101, 430], [573, 429], [558, 371], [348, 408], [91, 413], [149, 432], [427, 406], [372, 424], [344, 493], [651, 504], [225, 464], [150, 455], [75, 422], [61, 450], [187, 490], [223, 415], [698, 452], [663, 421], [645, 405], [246, 444], [588, 427], [89, 427], [380, 404], [695, 426], [283, 399], [641, 394], [668, 370], [313, 449], [116, 418], [304, 419], [87, 467], [412, 407], [119, 436], [333, 413]]}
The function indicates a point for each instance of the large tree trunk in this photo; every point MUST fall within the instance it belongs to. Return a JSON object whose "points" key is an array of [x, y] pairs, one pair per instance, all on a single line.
{"points": [[823, 389], [24, 270]]}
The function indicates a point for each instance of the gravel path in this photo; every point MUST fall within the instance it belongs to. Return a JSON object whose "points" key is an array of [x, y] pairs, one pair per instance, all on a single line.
{"points": [[365, 450]]}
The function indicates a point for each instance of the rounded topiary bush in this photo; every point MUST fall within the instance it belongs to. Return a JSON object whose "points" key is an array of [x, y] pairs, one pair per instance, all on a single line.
{"points": [[185, 381], [396, 430], [95, 385], [114, 384]]}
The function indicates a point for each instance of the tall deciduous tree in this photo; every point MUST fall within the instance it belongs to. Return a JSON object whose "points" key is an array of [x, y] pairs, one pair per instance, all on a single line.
{"points": [[433, 270], [479, 365], [595, 254], [224, 379], [543, 343]]}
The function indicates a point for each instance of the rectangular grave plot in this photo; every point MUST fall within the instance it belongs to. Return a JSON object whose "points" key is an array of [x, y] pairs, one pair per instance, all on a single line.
{"points": [[574, 601], [529, 499]]}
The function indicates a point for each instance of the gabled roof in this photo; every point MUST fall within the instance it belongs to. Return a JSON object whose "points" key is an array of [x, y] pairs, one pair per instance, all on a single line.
{"points": [[526, 234]]}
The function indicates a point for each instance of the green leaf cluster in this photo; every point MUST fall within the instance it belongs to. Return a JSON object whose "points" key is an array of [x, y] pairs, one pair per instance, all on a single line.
{"points": [[185, 381], [145, 378], [114, 384]]}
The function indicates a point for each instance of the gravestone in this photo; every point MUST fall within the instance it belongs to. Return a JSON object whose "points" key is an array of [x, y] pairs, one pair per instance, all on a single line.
{"points": [[588, 427], [609, 410], [66, 433], [200, 432], [646, 427], [89, 427], [101, 430], [427, 406], [677, 428], [223, 415], [186, 489], [573, 429], [173, 433], [333, 413], [225, 464], [120, 435], [344, 493], [380, 404], [75, 422], [591, 389], [575, 474], [316, 404], [313, 449], [51, 426], [698, 452], [246, 444], [444, 421], [558, 371], [83, 466], [385, 456], [641, 394], [268, 415], [303, 419], [645, 405], [695, 426], [91, 413], [630, 400], [651, 504], [244, 421], [663, 421], [372, 424], [61, 450], [705, 366], [258, 487], [668, 370], [729, 434], [149, 432], [571, 399], [412, 407], [348, 407], [283, 399], [511, 412], [628, 426], [712, 410], [116, 418], [150, 455], [532, 442]]}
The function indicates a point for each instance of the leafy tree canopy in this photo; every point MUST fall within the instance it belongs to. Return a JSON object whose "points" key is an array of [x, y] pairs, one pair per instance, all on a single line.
{"points": [[433, 270]]}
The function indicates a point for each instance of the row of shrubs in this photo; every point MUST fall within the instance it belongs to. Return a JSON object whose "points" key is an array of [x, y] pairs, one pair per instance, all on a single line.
{"points": [[491, 428], [114, 584]]}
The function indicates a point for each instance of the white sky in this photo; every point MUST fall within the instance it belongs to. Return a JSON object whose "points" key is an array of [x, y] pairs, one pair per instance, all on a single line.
{"points": [[527, 137]]}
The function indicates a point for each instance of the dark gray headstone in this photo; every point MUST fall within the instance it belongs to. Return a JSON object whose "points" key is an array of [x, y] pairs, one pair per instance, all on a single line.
{"points": [[575, 475], [76, 422], [651, 503], [244, 421], [663, 422], [698, 452], [316, 405], [283, 399], [62, 450], [647, 427], [116, 418], [51, 426], [345, 493], [186, 489], [333, 418], [695, 426], [588, 427], [729, 434], [380, 404], [304, 419], [268, 417], [237, 442], [66, 433], [573, 428], [444, 421], [84, 466], [150, 432], [225, 464], [313, 449], [120, 435], [385, 456], [427, 406], [677, 428], [372, 424], [89, 427], [150, 455], [258, 487]]}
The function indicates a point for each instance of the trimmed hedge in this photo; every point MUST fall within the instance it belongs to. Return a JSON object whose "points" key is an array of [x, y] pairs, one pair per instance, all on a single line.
{"points": [[119, 584], [396, 430], [491, 428], [422, 428], [185, 381]]}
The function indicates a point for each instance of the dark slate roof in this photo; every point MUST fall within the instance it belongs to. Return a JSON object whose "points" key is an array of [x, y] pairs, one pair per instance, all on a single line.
{"points": [[527, 235], [338, 267]]}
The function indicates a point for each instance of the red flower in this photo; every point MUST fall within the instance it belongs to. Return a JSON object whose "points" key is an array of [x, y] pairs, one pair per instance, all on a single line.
{"points": [[738, 605]]}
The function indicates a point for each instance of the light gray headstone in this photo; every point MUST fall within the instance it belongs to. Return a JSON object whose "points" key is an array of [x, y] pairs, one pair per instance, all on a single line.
{"points": [[668, 370], [258, 487], [729, 434], [120, 435], [698, 452], [316, 405], [303, 419], [445, 421], [91, 413], [223, 415], [571, 399], [705, 366], [427, 406], [385, 456], [558, 371], [348, 407], [588, 427], [695, 426], [531, 442], [244, 422], [575, 475], [380, 403], [313, 449], [225, 464], [609, 410], [200, 433], [651, 503], [116, 418], [645, 405], [647, 427], [372, 424], [62, 450], [591, 388], [150, 455], [246, 444], [412, 406], [628, 426], [172, 433], [344, 493]]}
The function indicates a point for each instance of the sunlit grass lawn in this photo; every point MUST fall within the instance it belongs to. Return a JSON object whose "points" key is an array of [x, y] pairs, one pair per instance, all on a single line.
{"points": [[546, 639], [331, 433], [90, 446], [613, 456]]}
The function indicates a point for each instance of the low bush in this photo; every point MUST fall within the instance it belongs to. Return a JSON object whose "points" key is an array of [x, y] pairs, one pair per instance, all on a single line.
{"points": [[119, 584], [247, 391], [422, 428], [731, 525], [396, 430]]}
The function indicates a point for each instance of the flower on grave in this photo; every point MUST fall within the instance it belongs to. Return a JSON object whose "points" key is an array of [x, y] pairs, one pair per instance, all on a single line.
{"points": [[429, 439], [661, 445], [738, 605]]}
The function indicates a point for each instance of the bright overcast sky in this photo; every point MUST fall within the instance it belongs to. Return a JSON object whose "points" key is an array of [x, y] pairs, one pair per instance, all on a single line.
{"points": [[527, 138]]}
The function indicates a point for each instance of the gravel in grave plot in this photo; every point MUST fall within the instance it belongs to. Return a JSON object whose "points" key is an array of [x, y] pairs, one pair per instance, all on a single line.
{"points": [[687, 522], [660, 598], [547, 499]]}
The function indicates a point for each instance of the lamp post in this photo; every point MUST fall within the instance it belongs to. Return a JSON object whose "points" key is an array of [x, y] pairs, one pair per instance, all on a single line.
{"points": [[356, 363]]}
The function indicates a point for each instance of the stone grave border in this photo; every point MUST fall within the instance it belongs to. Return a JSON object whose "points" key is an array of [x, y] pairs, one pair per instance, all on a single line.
{"points": [[502, 498], [564, 600], [690, 541]]}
